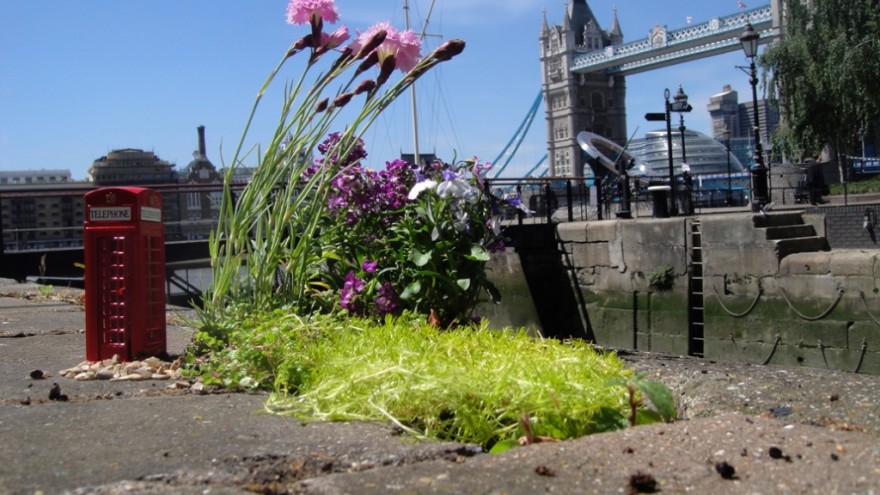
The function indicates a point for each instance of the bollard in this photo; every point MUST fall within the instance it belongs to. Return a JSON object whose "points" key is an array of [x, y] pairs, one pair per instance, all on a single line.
{"points": [[124, 254], [660, 199]]}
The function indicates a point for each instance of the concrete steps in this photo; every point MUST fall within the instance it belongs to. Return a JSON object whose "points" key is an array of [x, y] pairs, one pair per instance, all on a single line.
{"points": [[789, 233]]}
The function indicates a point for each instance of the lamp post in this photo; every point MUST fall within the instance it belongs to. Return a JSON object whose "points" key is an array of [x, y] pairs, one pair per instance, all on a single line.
{"points": [[681, 106], [726, 134], [673, 207], [749, 41]]}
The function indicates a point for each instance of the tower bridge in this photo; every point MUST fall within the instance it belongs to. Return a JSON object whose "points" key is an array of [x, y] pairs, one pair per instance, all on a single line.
{"points": [[663, 47], [584, 69]]}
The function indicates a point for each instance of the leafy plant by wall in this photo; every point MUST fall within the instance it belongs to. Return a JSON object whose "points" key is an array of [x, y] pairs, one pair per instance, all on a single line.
{"points": [[662, 277]]}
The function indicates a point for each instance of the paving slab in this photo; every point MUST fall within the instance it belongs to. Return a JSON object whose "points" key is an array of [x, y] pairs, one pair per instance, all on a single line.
{"points": [[730, 453], [743, 429], [219, 439]]}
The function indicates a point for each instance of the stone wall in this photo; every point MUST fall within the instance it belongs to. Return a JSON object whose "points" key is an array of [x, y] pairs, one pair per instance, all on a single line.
{"points": [[763, 302], [845, 225]]}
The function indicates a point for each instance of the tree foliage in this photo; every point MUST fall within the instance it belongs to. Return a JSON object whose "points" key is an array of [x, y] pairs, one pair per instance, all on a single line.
{"points": [[822, 75]]}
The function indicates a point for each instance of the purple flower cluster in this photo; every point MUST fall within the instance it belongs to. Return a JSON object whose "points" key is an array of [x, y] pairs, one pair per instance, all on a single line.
{"points": [[369, 266], [328, 149], [380, 213], [352, 287], [359, 192], [387, 301], [395, 182]]}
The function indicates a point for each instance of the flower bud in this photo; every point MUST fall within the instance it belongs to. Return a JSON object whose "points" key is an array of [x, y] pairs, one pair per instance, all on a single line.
{"points": [[370, 61], [448, 50], [371, 45], [365, 86], [344, 57], [299, 45], [386, 69], [317, 23], [322, 105], [341, 100]]}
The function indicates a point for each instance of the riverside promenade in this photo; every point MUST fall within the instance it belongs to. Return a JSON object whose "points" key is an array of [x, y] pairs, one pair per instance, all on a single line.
{"points": [[743, 429]]}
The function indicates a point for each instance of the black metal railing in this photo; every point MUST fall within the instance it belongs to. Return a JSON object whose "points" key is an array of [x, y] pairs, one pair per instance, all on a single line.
{"points": [[32, 221]]}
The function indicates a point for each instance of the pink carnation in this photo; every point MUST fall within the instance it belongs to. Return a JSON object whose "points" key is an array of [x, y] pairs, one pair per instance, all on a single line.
{"points": [[338, 37], [301, 11], [404, 46]]}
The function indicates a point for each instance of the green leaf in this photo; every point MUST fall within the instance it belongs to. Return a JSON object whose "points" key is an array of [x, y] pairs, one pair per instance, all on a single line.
{"points": [[659, 395], [647, 417], [331, 255], [411, 290], [609, 419], [420, 259], [464, 283], [503, 446], [479, 253]]}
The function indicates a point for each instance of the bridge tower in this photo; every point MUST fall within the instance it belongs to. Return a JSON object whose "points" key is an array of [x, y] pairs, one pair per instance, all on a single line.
{"points": [[579, 102]]}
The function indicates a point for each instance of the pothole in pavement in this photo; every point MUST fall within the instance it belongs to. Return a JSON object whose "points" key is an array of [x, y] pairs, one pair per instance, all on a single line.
{"points": [[273, 474]]}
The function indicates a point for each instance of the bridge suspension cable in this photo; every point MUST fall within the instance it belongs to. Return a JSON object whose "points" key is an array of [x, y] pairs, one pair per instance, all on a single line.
{"points": [[540, 162], [518, 137]]}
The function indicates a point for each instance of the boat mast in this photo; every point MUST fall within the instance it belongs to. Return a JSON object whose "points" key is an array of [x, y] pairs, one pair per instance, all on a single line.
{"points": [[412, 87]]}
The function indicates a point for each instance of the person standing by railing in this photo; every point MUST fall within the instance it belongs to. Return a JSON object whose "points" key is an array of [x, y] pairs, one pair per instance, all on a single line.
{"points": [[815, 181]]}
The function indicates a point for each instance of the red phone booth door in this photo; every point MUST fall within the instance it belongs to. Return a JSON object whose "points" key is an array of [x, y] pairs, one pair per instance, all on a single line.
{"points": [[114, 272], [154, 287]]}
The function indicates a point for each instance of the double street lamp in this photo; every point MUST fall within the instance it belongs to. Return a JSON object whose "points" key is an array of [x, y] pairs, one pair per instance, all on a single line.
{"points": [[679, 104], [749, 41]]}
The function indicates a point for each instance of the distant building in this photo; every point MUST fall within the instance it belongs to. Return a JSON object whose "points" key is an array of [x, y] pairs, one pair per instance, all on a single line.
{"points": [[424, 158], [728, 114], [26, 177], [724, 112], [131, 167], [573, 103], [40, 209], [202, 192]]}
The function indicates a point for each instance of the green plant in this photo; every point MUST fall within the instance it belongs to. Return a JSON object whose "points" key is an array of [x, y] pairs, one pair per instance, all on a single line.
{"points": [[471, 384], [438, 226], [45, 290], [323, 272], [662, 277], [275, 224], [869, 185], [329, 234], [658, 394]]}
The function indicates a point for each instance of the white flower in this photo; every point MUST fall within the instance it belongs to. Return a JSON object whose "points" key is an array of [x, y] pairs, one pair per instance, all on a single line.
{"points": [[461, 221], [457, 188], [419, 187], [495, 225]]}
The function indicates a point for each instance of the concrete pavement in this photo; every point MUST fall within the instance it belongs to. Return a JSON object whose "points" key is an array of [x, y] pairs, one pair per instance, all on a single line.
{"points": [[141, 437]]}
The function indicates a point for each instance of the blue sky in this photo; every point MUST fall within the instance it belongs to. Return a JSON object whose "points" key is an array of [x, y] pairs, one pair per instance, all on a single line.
{"points": [[80, 78]]}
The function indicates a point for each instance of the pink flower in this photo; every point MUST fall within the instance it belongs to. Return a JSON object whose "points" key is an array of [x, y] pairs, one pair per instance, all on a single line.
{"points": [[301, 11], [404, 46], [333, 40]]}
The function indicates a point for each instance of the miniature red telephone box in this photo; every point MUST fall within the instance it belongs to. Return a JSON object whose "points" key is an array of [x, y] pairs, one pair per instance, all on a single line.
{"points": [[124, 273]]}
